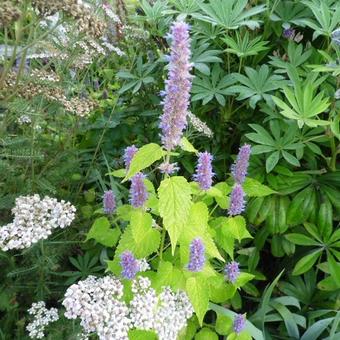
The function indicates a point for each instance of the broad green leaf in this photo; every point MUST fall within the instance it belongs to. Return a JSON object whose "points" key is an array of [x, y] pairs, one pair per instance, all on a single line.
{"points": [[101, 232], [206, 334], [198, 291], [235, 227], [223, 324], [174, 206], [272, 160], [187, 146], [145, 156], [120, 173], [141, 225], [137, 334], [220, 289], [254, 188], [315, 330], [164, 275], [197, 227], [223, 201], [304, 264], [243, 279]]}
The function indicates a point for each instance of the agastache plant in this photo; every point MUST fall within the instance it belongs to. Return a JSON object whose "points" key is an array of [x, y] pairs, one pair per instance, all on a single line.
{"points": [[129, 152], [129, 264], [240, 167], [204, 172], [197, 255], [109, 202], [239, 323], [177, 87], [237, 201], [232, 271], [138, 191]]}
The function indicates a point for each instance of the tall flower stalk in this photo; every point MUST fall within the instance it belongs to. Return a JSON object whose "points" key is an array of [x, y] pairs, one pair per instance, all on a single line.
{"points": [[177, 87]]}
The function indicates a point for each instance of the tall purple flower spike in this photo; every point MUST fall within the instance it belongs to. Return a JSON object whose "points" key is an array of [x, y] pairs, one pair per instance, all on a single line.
{"points": [[204, 172], [239, 168], [232, 271], [129, 264], [239, 323], [109, 202], [197, 256], [177, 87], [237, 201], [129, 152], [138, 191]]}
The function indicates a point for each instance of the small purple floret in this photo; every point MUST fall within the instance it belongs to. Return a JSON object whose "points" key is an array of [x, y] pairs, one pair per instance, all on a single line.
{"points": [[130, 265], [138, 191], [232, 271], [197, 256], [237, 201], [240, 167], [177, 87], [109, 202], [204, 173], [239, 323], [288, 33], [129, 152]]}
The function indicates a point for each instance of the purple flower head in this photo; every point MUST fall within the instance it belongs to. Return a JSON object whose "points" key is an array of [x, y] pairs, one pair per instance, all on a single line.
{"points": [[237, 202], [232, 271], [204, 173], [130, 265], [288, 33], [239, 168], [197, 257], [239, 323], [109, 202], [129, 152], [138, 191], [177, 87]]}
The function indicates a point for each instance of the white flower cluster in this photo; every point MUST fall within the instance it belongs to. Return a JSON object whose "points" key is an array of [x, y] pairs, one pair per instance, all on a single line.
{"points": [[98, 302], [35, 219], [24, 119], [41, 318], [200, 126], [166, 314]]}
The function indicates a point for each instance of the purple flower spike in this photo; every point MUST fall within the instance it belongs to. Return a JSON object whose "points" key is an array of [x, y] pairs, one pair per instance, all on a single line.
{"points": [[239, 168], [197, 257], [138, 192], [177, 87], [109, 202], [237, 202], [232, 271], [288, 33], [239, 323], [129, 152], [204, 173], [130, 265]]}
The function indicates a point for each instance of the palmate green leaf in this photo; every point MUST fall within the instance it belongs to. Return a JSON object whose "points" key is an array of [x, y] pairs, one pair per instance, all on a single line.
{"points": [[230, 14], [197, 289], [256, 85], [334, 268], [272, 161], [304, 106], [243, 47], [102, 232], [145, 156], [305, 263], [174, 206], [301, 240]]}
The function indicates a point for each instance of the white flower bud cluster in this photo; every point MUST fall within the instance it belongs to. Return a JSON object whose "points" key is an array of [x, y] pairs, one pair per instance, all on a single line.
{"points": [[165, 314], [200, 126], [143, 265], [35, 219], [24, 119], [41, 318], [98, 303]]}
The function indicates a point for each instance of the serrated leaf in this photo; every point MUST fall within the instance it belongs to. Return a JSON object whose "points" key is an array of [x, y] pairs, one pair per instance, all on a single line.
{"points": [[145, 156], [141, 225], [187, 146], [254, 188], [101, 232], [235, 227], [198, 292], [174, 206]]}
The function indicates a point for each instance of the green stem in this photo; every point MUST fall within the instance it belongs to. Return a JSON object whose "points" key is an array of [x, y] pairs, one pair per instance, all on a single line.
{"points": [[332, 164], [161, 249]]}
